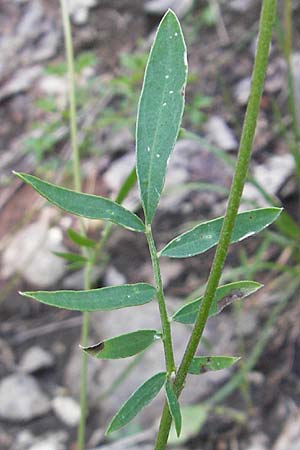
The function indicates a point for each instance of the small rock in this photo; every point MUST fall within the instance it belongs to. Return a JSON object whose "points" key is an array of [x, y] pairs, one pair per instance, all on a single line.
{"points": [[21, 82], [72, 375], [35, 359], [118, 171], [276, 76], [272, 175], [120, 141], [113, 277], [171, 270], [79, 10], [290, 435], [116, 175], [76, 279], [159, 7], [67, 410], [242, 91], [51, 441], [220, 134], [21, 398], [295, 70], [30, 26], [240, 5], [31, 253], [24, 439], [259, 442], [47, 47], [57, 87]]}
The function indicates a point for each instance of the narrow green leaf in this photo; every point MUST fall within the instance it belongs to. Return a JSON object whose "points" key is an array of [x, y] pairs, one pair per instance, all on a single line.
{"points": [[103, 299], [174, 406], [224, 296], [80, 239], [202, 364], [206, 235], [138, 400], [71, 257], [160, 110], [85, 205], [123, 346]]}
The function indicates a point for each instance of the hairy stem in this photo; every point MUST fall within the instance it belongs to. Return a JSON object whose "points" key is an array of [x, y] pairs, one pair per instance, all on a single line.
{"points": [[268, 13], [166, 328]]}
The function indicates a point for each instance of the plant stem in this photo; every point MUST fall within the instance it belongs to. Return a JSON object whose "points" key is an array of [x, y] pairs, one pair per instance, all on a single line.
{"points": [[77, 186], [265, 33], [166, 328], [83, 375], [72, 96]]}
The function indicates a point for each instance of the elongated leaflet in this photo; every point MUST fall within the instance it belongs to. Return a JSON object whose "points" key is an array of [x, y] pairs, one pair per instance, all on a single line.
{"points": [[160, 110], [139, 399], [85, 205], [224, 296], [124, 345], [103, 299], [206, 235]]}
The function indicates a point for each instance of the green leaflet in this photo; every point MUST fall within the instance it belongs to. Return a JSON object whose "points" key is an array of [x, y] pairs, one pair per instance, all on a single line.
{"points": [[103, 299], [124, 345], [80, 239], [206, 235], [174, 406], [225, 295], [138, 400], [202, 364], [160, 110], [85, 205], [71, 257]]}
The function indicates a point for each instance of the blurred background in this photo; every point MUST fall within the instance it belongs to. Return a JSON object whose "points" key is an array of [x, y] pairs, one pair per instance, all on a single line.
{"points": [[256, 405]]}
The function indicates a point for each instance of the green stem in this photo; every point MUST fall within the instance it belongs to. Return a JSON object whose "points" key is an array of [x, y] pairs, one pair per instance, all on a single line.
{"points": [[83, 375], [265, 33], [77, 186], [72, 96], [166, 328]]}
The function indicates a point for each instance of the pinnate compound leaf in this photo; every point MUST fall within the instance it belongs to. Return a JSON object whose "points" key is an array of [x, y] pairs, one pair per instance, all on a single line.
{"points": [[174, 406], [160, 110], [203, 364], [138, 400], [85, 205], [206, 235], [124, 345], [224, 296], [80, 239], [103, 299]]}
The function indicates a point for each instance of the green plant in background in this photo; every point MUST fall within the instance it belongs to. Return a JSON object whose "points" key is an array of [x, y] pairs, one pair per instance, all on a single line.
{"points": [[159, 117]]}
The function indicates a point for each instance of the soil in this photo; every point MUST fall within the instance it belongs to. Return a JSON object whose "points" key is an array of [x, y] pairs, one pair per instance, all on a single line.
{"points": [[114, 28]]}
